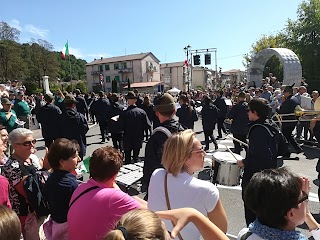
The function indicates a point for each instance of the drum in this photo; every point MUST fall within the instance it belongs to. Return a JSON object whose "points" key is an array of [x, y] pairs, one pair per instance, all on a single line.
{"points": [[226, 170]]}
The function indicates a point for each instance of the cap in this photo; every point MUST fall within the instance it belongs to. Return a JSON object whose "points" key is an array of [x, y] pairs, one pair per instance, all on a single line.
{"points": [[164, 103], [5, 101], [288, 88], [242, 95], [69, 98], [131, 95], [48, 97]]}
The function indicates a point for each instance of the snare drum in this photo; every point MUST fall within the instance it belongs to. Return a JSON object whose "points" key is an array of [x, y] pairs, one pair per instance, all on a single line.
{"points": [[227, 171]]}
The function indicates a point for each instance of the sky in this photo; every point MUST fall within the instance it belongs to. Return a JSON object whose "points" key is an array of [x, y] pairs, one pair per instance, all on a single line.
{"points": [[106, 28]]}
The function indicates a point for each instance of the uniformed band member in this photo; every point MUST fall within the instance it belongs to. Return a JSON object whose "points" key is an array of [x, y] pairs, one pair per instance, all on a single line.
{"points": [[165, 108], [239, 126], [74, 124], [223, 109], [134, 121], [50, 118], [288, 106], [100, 109], [262, 151], [114, 125]]}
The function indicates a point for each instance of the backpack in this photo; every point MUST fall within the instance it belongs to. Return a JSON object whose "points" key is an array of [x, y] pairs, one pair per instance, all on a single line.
{"points": [[282, 145], [163, 130], [33, 187]]}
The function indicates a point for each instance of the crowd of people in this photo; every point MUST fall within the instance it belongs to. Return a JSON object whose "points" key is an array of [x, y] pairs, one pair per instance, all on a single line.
{"points": [[45, 192]]}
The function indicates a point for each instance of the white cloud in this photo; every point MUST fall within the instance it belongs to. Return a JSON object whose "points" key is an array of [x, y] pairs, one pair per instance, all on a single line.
{"points": [[36, 31], [16, 24], [76, 52], [99, 55]]}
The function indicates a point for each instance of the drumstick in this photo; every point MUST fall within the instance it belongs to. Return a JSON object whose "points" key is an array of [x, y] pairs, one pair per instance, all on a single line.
{"points": [[245, 144], [234, 156]]}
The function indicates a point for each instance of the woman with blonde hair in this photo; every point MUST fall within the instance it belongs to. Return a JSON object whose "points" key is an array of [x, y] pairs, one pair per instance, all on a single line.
{"points": [[183, 154], [147, 225], [10, 228]]}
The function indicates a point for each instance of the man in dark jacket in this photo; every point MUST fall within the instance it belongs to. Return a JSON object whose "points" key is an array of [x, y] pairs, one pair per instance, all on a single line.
{"points": [[100, 109], [288, 106], [209, 114], [223, 109], [239, 126], [50, 118], [134, 121], [114, 125], [262, 150], [82, 106], [165, 109], [74, 124]]}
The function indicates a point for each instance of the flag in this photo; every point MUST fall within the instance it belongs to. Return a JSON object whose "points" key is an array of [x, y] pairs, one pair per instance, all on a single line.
{"points": [[65, 51], [186, 63]]}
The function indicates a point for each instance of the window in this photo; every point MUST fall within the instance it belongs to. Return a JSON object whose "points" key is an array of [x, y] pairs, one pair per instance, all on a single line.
{"points": [[107, 78], [106, 67], [100, 68], [116, 66], [117, 78], [123, 65]]}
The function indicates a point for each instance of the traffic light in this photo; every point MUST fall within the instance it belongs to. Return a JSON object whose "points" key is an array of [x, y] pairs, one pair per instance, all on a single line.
{"points": [[196, 60], [207, 59]]}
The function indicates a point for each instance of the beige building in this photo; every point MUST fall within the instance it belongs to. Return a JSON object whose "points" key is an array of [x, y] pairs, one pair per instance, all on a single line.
{"points": [[174, 75], [203, 77], [136, 68], [233, 76]]}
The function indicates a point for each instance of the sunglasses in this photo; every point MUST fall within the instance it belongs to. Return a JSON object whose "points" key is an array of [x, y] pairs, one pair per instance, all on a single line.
{"points": [[305, 197], [201, 150], [28, 143]]}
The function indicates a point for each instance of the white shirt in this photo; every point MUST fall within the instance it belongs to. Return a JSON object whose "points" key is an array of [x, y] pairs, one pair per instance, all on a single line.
{"points": [[184, 191]]}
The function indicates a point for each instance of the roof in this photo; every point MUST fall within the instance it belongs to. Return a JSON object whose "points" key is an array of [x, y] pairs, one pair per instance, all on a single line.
{"points": [[174, 64], [232, 71], [122, 58], [143, 84]]}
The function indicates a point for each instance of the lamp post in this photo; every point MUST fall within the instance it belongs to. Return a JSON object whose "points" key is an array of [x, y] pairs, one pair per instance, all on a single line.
{"points": [[186, 50]]}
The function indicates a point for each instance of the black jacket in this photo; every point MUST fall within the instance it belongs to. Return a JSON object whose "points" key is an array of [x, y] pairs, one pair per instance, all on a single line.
{"points": [[82, 106], [222, 106], [239, 116], [154, 149], [50, 117], [209, 115], [150, 112], [115, 109], [100, 109], [187, 118], [262, 152], [288, 106], [134, 121], [75, 126]]}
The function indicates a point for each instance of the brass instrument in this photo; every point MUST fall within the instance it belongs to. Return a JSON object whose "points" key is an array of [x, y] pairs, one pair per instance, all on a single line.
{"points": [[299, 112]]}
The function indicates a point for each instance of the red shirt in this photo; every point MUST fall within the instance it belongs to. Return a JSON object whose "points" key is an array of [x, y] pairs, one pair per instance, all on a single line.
{"points": [[4, 192]]}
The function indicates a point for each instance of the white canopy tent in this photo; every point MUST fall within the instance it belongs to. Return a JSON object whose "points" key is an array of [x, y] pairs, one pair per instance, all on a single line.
{"points": [[174, 90]]}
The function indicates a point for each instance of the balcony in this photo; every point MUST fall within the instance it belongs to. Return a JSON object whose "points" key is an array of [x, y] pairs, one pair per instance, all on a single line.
{"points": [[96, 72], [151, 69], [125, 70]]}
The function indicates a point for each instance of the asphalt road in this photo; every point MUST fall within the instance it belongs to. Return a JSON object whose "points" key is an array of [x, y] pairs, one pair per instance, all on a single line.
{"points": [[231, 196]]}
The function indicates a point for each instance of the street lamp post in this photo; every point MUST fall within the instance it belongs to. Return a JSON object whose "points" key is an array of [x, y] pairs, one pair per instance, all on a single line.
{"points": [[186, 49]]}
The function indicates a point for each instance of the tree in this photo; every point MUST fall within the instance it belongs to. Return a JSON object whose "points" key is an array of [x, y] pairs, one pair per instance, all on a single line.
{"points": [[11, 62], [303, 37], [8, 33]]}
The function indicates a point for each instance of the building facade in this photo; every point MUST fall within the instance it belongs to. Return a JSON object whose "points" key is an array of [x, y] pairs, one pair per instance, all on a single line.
{"points": [[174, 75], [203, 77], [102, 73]]}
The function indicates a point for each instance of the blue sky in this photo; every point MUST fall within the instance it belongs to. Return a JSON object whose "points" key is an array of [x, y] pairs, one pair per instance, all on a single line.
{"points": [[112, 28]]}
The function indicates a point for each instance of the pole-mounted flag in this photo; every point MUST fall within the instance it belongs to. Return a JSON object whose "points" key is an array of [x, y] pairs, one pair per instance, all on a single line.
{"points": [[65, 51]]}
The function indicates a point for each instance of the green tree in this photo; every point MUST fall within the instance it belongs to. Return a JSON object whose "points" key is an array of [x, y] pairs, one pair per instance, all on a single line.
{"points": [[8, 33], [11, 62], [303, 37]]}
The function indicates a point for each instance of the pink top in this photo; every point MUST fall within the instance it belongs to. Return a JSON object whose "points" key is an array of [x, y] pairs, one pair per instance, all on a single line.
{"points": [[4, 192], [96, 212]]}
